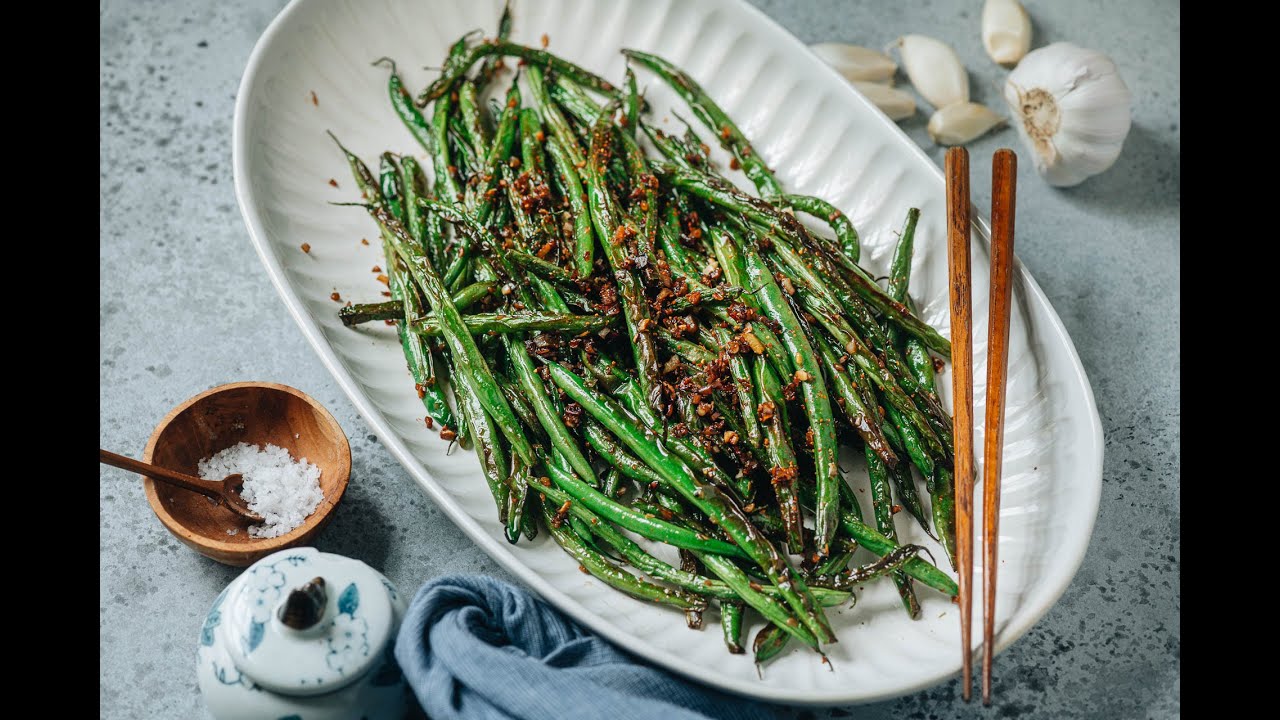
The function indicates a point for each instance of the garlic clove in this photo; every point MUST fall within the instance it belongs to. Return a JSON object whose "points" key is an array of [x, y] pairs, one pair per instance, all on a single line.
{"points": [[897, 104], [1006, 30], [1071, 107], [958, 123], [857, 63], [934, 69]]}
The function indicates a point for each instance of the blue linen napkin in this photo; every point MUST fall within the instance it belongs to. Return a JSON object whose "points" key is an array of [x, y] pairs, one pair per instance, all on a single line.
{"points": [[475, 648]]}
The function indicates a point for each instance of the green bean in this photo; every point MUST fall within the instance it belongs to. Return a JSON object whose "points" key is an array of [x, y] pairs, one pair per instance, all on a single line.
{"points": [[843, 228], [692, 353], [742, 383], [615, 577], [389, 186], [610, 485], [716, 120], [669, 239], [403, 105], [446, 186], [386, 195], [731, 625], [836, 293], [696, 457], [475, 371], [472, 124], [413, 183], [877, 543], [484, 204], [475, 423], [536, 392], [942, 495], [570, 98], [440, 86], [637, 522], [861, 418], [611, 230], [783, 468], [837, 562], [891, 562], [904, 436], [897, 313], [721, 297], [506, 323], [516, 501], [416, 353], [696, 268], [904, 485], [490, 65], [871, 365], [360, 313], [900, 266], [768, 643], [773, 610], [882, 502], [538, 266], [920, 368], [707, 497], [849, 284], [553, 118], [532, 161], [683, 578], [632, 117], [514, 394], [644, 210], [583, 232], [617, 457], [817, 403]]}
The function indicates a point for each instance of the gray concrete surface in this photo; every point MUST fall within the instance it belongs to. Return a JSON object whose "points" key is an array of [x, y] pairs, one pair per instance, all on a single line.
{"points": [[184, 306]]}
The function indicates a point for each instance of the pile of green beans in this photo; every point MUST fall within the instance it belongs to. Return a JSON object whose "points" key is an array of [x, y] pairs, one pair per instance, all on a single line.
{"points": [[640, 353]]}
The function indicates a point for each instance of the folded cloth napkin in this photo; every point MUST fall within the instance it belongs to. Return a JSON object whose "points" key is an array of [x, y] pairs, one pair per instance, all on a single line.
{"points": [[474, 648]]}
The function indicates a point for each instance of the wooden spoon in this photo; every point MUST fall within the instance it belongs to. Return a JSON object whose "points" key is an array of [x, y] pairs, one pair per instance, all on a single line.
{"points": [[226, 491]]}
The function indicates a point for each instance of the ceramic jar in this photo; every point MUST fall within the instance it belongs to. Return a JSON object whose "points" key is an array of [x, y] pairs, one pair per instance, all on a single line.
{"points": [[303, 635]]}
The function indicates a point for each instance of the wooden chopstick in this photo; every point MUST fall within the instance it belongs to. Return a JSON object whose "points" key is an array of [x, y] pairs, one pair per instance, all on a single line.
{"points": [[962, 387], [1004, 181]]}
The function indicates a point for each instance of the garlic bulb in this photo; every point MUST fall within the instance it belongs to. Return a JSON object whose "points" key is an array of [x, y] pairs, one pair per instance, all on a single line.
{"points": [[958, 123], [857, 63], [1006, 30], [1071, 108], [934, 70], [895, 103]]}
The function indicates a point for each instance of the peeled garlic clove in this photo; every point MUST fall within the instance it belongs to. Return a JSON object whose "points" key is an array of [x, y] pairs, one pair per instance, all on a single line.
{"points": [[934, 70], [959, 123], [856, 63], [1071, 107], [1006, 30], [895, 103]]}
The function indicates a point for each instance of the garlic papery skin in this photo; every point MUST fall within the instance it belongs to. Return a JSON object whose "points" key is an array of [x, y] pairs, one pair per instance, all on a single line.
{"points": [[1006, 30], [934, 69], [1071, 108], [897, 104], [958, 123], [857, 64]]}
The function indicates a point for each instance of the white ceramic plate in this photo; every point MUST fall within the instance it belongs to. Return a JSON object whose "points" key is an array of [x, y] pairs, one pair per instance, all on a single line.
{"points": [[823, 139]]}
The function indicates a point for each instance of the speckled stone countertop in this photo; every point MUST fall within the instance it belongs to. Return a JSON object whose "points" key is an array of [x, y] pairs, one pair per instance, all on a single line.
{"points": [[184, 306]]}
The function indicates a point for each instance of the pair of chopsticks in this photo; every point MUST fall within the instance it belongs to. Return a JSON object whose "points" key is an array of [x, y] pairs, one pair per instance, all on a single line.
{"points": [[1004, 178]]}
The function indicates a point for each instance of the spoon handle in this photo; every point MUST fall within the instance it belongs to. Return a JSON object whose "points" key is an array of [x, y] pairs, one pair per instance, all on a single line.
{"points": [[210, 488]]}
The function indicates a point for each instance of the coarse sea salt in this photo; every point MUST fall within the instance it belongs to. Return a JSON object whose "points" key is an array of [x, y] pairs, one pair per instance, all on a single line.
{"points": [[282, 491]]}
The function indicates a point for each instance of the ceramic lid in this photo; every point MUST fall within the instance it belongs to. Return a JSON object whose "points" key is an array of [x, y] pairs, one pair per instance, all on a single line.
{"points": [[303, 622]]}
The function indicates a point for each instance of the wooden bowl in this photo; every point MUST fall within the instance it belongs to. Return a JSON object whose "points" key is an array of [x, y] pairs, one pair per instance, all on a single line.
{"points": [[255, 413]]}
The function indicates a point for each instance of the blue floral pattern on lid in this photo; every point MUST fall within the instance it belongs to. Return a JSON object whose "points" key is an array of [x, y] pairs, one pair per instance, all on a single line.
{"points": [[356, 624], [249, 663]]}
